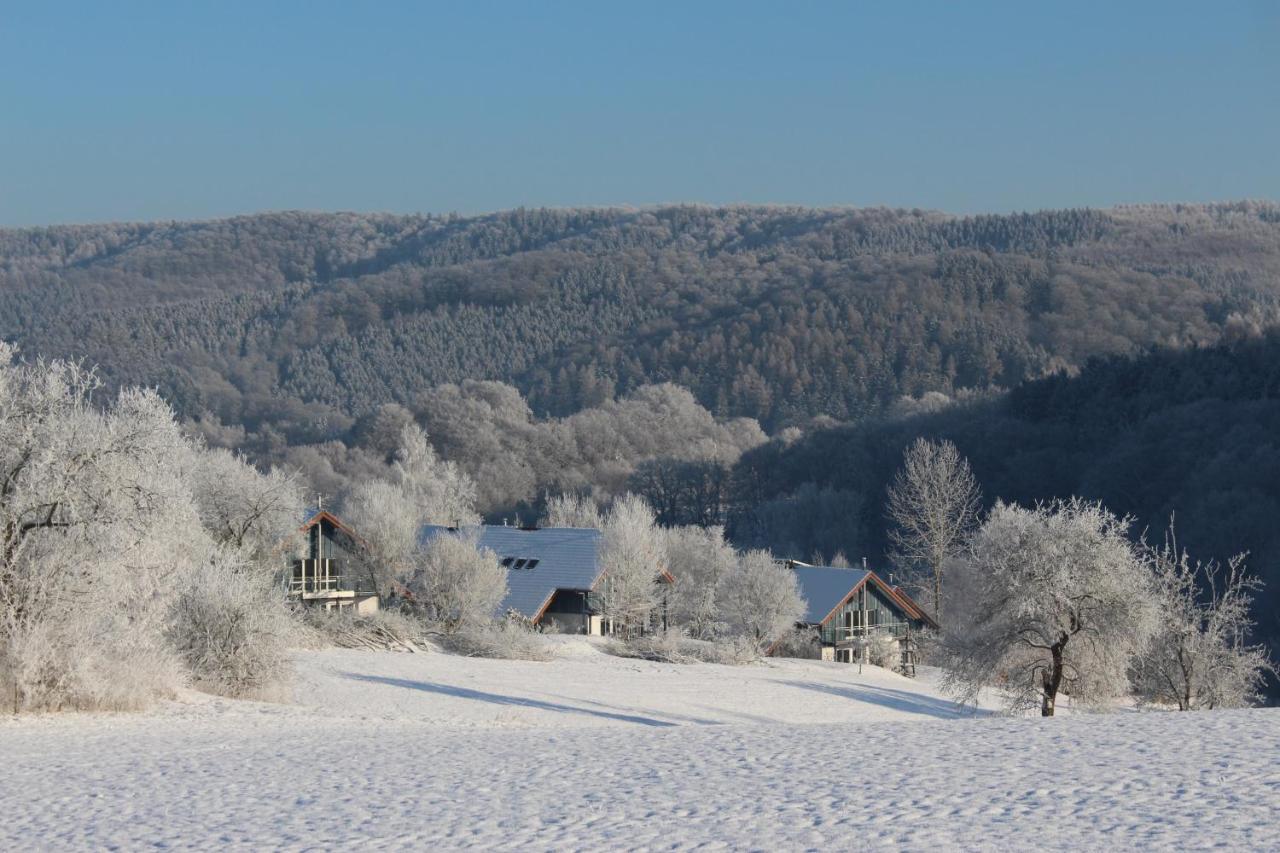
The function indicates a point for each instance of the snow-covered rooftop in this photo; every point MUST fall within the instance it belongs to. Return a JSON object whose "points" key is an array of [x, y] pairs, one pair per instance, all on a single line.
{"points": [[825, 588], [567, 558]]}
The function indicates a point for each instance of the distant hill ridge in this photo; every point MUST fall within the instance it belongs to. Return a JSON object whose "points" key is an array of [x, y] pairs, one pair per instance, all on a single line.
{"points": [[301, 321]]}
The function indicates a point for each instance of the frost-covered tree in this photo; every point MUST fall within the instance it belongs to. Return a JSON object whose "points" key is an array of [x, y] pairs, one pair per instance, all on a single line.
{"points": [[388, 515], [455, 582], [933, 503], [631, 558], [389, 526], [95, 518], [441, 492], [243, 508], [99, 536], [760, 599], [571, 510], [1200, 656], [699, 559], [1048, 600]]}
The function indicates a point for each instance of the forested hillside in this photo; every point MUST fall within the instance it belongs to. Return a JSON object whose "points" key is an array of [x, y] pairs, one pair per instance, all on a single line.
{"points": [[1192, 434], [287, 327]]}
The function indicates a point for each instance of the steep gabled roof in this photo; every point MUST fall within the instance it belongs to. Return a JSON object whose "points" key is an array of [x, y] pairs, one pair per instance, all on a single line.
{"points": [[316, 516], [567, 558], [826, 589]]}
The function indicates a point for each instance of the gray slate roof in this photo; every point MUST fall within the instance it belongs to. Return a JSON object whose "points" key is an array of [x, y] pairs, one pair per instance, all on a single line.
{"points": [[825, 587], [567, 559]]}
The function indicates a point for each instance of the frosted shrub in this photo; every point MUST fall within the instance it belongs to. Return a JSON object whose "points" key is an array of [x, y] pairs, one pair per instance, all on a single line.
{"points": [[93, 513], [884, 650], [456, 583], [505, 640], [671, 646], [233, 629]]}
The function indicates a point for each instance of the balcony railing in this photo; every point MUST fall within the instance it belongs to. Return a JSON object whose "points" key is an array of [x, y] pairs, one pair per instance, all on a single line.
{"points": [[836, 635], [310, 584], [314, 576]]}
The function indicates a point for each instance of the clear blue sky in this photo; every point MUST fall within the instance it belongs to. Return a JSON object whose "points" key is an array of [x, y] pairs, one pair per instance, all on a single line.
{"points": [[127, 110]]}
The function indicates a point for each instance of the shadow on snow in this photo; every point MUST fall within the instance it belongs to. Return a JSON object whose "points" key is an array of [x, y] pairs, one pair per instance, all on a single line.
{"points": [[897, 700], [499, 699]]}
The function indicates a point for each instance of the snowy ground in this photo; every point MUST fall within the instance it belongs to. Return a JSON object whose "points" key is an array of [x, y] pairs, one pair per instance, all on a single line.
{"points": [[437, 752]]}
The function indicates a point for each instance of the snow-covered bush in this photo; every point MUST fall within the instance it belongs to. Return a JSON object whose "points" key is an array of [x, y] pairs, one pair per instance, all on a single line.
{"points": [[455, 583], [108, 515], [671, 646], [94, 514], [798, 642], [505, 639], [232, 627], [883, 649]]}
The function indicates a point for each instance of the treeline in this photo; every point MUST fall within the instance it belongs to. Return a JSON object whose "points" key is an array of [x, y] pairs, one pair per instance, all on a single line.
{"points": [[287, 328], [1190, 434]]}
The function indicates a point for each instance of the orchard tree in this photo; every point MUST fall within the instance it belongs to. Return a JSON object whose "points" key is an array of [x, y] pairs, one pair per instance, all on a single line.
{"points": [[933, 503], [388, 515], [389, 526], [1200, 656], [1048, 600]]}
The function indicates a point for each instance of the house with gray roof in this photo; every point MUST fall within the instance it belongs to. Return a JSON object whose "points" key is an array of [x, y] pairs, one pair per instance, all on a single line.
{"points": [[846, 607], [553, 573]]}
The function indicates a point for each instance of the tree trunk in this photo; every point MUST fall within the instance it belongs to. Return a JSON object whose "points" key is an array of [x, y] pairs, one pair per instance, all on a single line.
{"points": [[1051, 679], [937, 595]]}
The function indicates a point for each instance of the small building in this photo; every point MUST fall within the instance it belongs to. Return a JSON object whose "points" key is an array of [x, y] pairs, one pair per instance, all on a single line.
{"points": [[847, 607], [325, 576], [553, 574]]}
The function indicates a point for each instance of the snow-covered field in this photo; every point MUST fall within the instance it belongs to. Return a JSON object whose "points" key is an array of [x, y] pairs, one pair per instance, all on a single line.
{"points": [[433, 751]]}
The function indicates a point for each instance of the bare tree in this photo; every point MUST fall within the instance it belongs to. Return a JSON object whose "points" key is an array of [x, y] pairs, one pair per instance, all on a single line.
{"points": [[456, 583], [631, 558], [1200, 656], [699, 559], [1052, 599], [571, 510], [760, 599], [933, 503]]}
